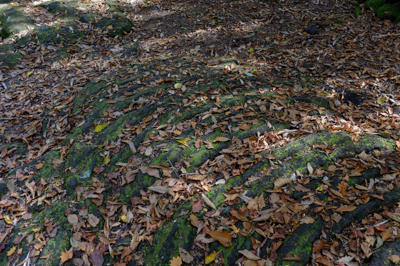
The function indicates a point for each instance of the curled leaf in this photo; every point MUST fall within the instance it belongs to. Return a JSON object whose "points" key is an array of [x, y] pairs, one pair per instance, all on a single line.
{"points": [[182, 141]]}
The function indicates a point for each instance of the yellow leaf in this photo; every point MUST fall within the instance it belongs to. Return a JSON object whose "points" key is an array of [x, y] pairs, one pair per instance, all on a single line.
{"points": [[100, 127], [7, 219], [381, 100], [182, 141], [11, 251], [319, 189], [29, 73], [250, 50], [176, 261], [107, 159], [210, 258], [124, 219], [178, 86], [109, 27], [234, 228]]}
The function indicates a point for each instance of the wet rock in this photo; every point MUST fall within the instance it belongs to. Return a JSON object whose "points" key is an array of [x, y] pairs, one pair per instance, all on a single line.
{"points": [[14, 21], [87, 18], [380, 257], [312, 29], [72, 184], [3, 189], [120, 26]]}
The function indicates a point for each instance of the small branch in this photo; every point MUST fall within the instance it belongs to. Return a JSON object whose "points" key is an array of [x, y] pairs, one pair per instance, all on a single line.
{"points": [[384, 35], [173, 168], [8, 118]]}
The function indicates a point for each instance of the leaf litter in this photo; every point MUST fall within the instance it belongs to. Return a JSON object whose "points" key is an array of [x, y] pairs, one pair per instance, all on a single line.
{"points": [[343, 55]]}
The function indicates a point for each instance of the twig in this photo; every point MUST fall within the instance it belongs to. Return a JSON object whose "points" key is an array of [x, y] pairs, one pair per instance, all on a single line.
{"points": [[7, 118], [384, 35], [173, 168], [262, 244], [381, 223]]}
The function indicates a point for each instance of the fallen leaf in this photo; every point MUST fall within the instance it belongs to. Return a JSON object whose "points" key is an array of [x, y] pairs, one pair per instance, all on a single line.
{"points": [[221, 139], [7, 219], [11, 251], [73, 218], [107, 159], [394, 258], [307, 220], [93, 220], [197, 206], [346, 208], [186, 257], [97, 258], [224, 238], [100, 127], [183, 142], [291, 257], [208, 201], [210, 258], [248, 254], [67, 255], [177, 261]]}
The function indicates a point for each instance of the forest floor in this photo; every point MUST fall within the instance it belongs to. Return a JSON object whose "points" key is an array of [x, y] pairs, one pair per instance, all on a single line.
{"points": [[198, 132]]}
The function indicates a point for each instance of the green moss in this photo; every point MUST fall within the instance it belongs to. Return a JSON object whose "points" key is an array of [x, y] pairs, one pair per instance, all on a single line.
{"points": [[357, 11], [375, 4], [339, 21], [389, 11], [10, 60]]}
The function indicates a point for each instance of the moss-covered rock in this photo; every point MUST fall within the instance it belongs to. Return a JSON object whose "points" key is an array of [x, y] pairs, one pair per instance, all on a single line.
{"points": [[10, 59], [145, 103]]}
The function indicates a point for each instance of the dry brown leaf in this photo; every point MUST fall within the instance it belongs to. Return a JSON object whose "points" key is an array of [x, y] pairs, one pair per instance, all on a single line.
{"points": [[346, 208], [282, 182], [307, 220], [67, 255], [248, 254], [291, 257], [73, 218], [224, 238], [93, 220], [195, 177], [208, 201], [194, 220], [310, 169], [221, 139], [394, 258], [186, 257], [177, 261]]}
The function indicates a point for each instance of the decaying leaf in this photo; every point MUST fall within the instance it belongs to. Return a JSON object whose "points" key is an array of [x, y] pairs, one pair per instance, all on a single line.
{"points": [[186, 257], [282, 182]]}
